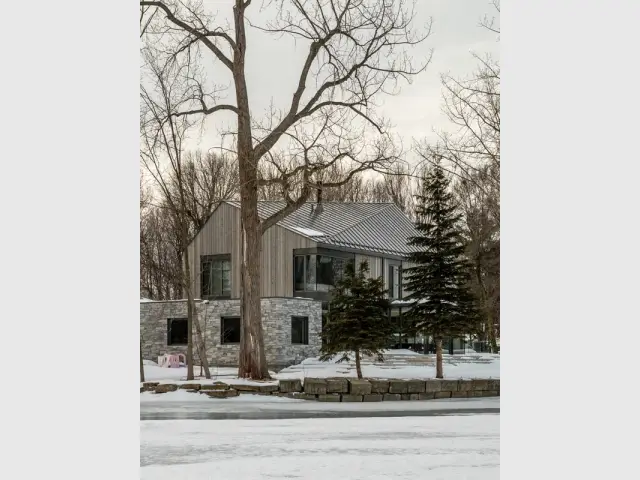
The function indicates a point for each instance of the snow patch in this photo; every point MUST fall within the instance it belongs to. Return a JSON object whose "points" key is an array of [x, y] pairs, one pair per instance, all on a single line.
{"points": [[309, 232]]}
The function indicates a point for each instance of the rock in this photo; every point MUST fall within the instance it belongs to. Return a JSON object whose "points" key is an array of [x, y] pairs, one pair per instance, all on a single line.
{"points": [[337, 385], [142, 389], [214, 386], [189, 386], [442, 394], [252, 388], [221, 393], [391, 397], [150, 384], [166, 387], [415, 386], [301, 396], [459, 394], [489, 393], [476, 393], [493, 384], [427, 396], [479, 384], [449, 385], [374, 397], [315, 386], [433, 385], [359, 387], [414, 396], [290, 385], [379, 386], [398, 386], [351, 398], [329, 397], [465, 385]]}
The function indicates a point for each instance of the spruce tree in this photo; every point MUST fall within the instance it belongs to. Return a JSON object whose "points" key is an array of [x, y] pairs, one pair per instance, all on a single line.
{"points": [[358, 318], [439, 281]]}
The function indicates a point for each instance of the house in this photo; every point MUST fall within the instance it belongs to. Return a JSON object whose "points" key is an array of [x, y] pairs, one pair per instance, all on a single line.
{"points": [[301, 258]]}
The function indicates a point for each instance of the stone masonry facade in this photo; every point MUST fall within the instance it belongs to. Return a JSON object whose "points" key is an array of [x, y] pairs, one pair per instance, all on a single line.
{"points": [[276, 321]]}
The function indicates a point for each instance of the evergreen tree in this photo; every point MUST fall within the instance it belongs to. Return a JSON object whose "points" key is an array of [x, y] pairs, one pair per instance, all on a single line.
{"points": [[358, 319], [439, 281]]}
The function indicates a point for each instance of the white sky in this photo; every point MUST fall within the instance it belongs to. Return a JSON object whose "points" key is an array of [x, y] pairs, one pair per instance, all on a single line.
{"points": [[273, 66]]}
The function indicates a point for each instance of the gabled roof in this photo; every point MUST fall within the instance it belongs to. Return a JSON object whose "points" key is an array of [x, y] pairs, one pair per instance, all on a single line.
{"points": [[375, 227]]}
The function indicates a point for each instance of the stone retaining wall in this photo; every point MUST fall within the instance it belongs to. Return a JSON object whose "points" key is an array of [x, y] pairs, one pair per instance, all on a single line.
{"points": [[344, 389]]}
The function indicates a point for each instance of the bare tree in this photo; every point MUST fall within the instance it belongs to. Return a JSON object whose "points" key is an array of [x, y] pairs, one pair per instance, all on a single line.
{"points": [[357, 50]]}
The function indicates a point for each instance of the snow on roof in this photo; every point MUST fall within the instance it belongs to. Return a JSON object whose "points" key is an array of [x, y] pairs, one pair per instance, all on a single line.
{"points": [[309, 232]]}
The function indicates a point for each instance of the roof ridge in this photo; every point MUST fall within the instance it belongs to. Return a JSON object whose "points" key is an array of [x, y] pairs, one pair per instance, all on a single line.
{"points": [[388, 205]]}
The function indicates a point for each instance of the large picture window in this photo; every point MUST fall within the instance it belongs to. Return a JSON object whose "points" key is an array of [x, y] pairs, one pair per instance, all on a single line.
{"points": [[216, 276], [317, 273], [395, 281]]}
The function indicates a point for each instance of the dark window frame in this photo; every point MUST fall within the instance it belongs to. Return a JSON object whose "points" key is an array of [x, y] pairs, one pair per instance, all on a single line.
{"points": [[304, 330], [394, 281], [206, 281], [223, 337], [170, 330]]}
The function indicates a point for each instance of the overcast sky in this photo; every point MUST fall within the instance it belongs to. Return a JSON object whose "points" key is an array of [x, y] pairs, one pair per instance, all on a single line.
{"points": [[273, 65]]}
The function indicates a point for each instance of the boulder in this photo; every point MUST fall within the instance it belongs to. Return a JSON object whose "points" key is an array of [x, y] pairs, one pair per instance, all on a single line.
{"points": [[351, 398], [166, 387], [398, 386], [479, 384], [256, 388], [315, 386], [374, 397], [329, 397], [427, 396], [359, 387], [391, 397], [214, 386], [189, 386], [337, 385], [449, 385], [442, 394], [379, 386], [290, 385], [465, 385], [415, 386], [221, 393], [433, 385], [459, 394]]}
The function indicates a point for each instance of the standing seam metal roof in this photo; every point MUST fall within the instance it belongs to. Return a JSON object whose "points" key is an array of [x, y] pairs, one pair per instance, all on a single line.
{"points": [[375, 227]]}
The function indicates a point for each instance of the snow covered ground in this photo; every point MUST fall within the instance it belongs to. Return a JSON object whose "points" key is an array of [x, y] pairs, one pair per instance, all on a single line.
{"points": [[438, 448], [399, 364]]}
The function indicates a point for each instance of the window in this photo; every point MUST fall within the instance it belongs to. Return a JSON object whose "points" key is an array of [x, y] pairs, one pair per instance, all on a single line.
{"points": [[177, 331], [394, 281], [317, 273], [216, 276], [229, 330], [300, 330]]}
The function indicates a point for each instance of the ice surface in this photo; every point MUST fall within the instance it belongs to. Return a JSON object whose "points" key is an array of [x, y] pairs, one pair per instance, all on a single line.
{"points": [[438, 448]]}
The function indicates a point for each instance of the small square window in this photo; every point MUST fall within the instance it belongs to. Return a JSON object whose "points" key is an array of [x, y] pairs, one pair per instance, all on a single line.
{"points": [[229, 330], [300, 330], [177, 332]]}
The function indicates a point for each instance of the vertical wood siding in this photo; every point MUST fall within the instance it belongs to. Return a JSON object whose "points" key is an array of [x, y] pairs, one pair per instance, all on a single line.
{"points": [[221, 235]]}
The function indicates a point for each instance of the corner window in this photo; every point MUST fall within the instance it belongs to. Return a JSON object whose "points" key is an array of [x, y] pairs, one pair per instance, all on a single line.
{"points": [[177, 331], [215, 276], [317, 273], [300, 330], [229, 330]]}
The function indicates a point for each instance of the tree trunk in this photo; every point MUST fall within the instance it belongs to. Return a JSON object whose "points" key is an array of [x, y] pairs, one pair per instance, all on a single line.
{"points": [[358, 366], [189, 341], [439, 358], [202, 350], [252, 361], [141, 366], [191, 309]]}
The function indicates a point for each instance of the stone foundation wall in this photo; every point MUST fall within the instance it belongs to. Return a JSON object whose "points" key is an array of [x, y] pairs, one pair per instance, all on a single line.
{"points": [[276, 321]]}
